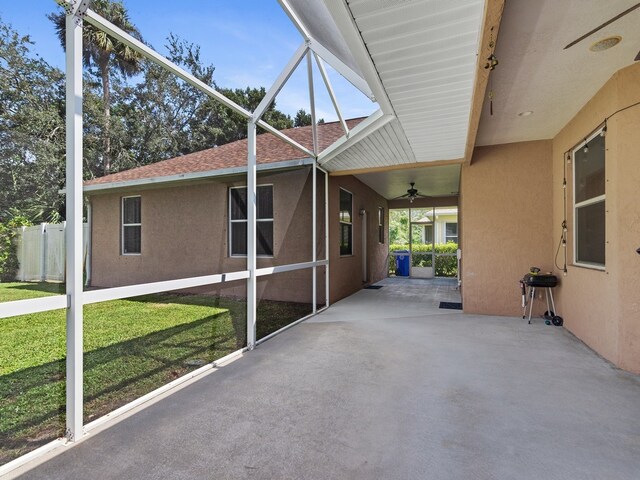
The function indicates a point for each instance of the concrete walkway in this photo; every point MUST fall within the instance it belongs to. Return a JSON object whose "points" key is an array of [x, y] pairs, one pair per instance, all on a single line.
{"points": [[384, 385]]}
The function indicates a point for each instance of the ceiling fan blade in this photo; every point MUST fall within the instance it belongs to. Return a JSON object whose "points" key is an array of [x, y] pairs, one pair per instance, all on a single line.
{"points": [[401, 196], [600, 27]]}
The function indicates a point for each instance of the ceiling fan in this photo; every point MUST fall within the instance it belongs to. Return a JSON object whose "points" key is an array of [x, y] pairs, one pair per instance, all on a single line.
{"points": [[412, 194], [608, 22]]}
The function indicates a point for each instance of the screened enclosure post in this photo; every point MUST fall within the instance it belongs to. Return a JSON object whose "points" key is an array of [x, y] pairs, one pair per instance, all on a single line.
{"points": [[73, 233], [314, 237], [251, 235], [326, 237]]}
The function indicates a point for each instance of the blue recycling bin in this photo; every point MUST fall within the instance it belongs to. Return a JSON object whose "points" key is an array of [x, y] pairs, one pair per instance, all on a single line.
{"points": [[402, 263]]}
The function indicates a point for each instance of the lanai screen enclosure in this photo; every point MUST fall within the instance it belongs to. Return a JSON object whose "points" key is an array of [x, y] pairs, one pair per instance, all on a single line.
{"points": [[246, 280]]}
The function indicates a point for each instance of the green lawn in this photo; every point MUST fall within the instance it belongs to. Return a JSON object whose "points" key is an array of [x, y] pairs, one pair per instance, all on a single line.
{"points": [[131, 347]]}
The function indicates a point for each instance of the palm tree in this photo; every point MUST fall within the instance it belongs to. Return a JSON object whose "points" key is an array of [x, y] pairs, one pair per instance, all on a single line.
{"points": [[102, 51]]}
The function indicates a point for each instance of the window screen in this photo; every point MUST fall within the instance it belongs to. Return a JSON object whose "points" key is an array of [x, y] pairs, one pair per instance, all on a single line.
{"points": [[238, 220], [346, 225], [589, 182], [131, 225]]}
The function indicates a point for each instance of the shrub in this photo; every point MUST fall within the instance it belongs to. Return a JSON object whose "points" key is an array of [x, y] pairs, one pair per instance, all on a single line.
{"points": [[8, 252], [445, 266]]}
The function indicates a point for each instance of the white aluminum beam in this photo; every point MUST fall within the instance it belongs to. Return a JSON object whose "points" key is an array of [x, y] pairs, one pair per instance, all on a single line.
{"points": [[314, 234], [252, 301], [261, 272], [342, 68], [372, 123], [312, 104], [280, 82], [32, 305], [109, 28], [73, 234], [332, 95], [326, 234], [152, 55], [128, 291], [264, 125]]}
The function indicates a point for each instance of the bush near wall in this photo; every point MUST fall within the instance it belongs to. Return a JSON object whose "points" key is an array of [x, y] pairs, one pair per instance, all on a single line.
{"points": [[445, 266], [8, 250]]}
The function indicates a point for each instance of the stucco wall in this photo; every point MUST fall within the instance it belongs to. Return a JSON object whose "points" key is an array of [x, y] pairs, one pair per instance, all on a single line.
{"points": [[184, 234], [506, 217], [346, 272], [603, 307], [511, 216]]}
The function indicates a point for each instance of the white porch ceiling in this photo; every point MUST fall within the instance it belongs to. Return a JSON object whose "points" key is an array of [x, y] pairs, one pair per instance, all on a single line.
{"points": [[419, 57], [425, 54], [436, 181]]}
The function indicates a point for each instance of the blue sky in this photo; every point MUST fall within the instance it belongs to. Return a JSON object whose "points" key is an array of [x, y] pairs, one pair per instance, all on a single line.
{"points": [[249, 42]]}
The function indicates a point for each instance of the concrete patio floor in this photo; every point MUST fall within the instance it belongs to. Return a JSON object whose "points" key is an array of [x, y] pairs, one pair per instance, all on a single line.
{"points": [[385, 385]]}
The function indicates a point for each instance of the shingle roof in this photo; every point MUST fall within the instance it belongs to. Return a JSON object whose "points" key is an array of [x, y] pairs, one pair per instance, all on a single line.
{"points": [[269, 148]]}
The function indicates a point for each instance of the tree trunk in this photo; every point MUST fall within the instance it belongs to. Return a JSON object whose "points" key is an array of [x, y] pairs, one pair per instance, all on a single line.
{"points": [[106, 98]]}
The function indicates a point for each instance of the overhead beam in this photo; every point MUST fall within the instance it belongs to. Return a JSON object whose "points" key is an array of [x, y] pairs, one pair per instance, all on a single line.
{"points": [[332, 95], [492, 17], [342, 68]]}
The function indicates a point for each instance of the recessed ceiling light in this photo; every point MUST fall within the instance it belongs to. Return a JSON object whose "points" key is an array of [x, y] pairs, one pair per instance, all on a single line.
{"points": [[525, 114], [605, 44]]}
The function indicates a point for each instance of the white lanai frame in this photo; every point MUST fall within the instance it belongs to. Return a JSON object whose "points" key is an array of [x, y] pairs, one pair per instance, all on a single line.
{"points": [[74, 300]]}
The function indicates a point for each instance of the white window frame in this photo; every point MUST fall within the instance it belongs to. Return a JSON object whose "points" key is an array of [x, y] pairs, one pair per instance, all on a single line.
{"points": [[446, 237], [381, 232], [123, 225], [258, 220], [346, 223], [586, 203]]}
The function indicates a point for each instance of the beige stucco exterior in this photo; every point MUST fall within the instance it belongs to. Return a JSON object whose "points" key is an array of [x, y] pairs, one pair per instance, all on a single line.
{"points": [[346, 272], [603, 307], [185, 234], [512, 212], [506, 219]]}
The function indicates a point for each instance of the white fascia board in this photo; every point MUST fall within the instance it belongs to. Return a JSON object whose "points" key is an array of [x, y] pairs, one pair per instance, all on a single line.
{"points": [[184, 177], [373, 122]]}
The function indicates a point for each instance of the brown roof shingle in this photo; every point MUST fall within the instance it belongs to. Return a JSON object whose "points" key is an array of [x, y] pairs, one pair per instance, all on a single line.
{"points": [[269, 148]]}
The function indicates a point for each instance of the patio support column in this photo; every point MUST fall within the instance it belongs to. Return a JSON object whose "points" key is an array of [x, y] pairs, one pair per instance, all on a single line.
{"points": [[252, 303], [73, 233], [326, 236], [314, 236]]}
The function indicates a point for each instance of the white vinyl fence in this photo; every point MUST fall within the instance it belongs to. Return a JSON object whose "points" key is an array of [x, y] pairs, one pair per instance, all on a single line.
{"points": [[41, 252]]}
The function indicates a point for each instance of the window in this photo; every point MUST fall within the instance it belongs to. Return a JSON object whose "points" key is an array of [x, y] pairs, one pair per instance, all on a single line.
{"points": [[451, 232], [427, 237], [346, 223], [381, 224], [238, 221], [589, 202], [131, 218]]}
